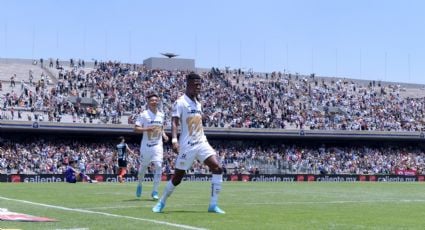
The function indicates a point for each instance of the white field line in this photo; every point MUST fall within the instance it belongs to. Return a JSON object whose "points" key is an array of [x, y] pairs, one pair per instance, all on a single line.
{"points": [[104, 214]]}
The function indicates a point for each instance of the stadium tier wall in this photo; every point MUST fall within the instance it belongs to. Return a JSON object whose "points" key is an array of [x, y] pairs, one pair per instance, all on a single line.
{"points": [[219, 133]]}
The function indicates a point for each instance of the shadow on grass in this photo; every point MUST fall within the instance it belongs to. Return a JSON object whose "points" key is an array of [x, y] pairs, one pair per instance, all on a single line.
{"points": [[140, 199], [182, 211]]}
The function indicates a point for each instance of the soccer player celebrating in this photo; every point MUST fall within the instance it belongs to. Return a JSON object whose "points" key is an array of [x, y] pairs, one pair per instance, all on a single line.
{"points": [[151, 124], [193, 144], [121, 154]]}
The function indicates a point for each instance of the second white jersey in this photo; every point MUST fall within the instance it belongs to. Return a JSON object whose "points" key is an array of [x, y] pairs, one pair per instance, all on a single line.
{"points": [[190, 114], [151, 139]]}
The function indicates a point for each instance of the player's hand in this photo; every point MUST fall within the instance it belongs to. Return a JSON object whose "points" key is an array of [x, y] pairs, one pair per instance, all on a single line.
{"points": [[165, 138], [176, 147]]}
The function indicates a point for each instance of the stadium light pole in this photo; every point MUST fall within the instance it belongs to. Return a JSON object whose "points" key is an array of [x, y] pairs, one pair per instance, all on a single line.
{"points": [[84, 42], [129, 47], [336, 62], [361, 63], [196, 47], [312, 60], [57, 43], [287, 57], [282, 55], [33, 43], [218, 53], [385, 66], [106, 46], [240, 54], [5, 41], [408, 66], [264, 56]]}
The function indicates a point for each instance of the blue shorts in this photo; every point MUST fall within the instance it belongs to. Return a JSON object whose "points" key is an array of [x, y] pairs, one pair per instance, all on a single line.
{"points": [[72, 179]]}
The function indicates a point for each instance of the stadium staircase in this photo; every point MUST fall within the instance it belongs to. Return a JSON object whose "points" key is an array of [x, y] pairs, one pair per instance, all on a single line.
{"points": [[50, 74]]}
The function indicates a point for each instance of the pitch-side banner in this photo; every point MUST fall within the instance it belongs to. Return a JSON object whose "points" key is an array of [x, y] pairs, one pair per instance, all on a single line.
{"points": [[110, 178]]}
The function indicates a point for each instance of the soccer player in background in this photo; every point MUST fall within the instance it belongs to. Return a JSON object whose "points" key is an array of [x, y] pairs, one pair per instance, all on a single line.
{"points": [[72, 175], [193, 144], [151, 124], [122, 156]]}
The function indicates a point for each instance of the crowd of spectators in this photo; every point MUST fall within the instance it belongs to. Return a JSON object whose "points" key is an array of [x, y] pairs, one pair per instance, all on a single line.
{"points": [[234, 99], [231, 99], [49, 155]]}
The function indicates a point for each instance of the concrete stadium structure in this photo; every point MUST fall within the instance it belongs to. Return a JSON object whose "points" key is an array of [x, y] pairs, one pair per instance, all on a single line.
{"points": [[170, 63]]}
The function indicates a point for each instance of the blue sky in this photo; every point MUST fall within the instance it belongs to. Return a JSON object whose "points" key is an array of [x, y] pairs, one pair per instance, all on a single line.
{"points": [[364, 39]]}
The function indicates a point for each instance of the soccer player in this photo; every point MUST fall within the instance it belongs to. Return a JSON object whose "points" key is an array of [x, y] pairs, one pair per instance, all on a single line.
{"points": [[193, 144], [72, 175], [121, 154], [151, 124]]}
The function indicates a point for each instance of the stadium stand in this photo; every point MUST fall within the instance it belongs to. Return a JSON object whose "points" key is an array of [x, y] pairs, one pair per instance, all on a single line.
{"points": [[113, 93], [46, 154]]}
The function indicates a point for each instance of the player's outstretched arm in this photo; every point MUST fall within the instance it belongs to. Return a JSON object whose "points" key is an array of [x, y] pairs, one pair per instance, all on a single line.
{"points": [[175, 122], [129, 150]]}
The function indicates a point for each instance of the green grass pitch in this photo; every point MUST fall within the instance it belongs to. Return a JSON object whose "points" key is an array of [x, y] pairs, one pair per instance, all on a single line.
{"points": [[248, 205]]}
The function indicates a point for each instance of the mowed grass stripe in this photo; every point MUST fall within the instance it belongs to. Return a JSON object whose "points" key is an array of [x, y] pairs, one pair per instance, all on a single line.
{"points": [[248, 205]]}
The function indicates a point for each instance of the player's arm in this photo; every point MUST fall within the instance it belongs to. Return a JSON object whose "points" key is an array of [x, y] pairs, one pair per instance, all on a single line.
{"points": [[164, 135], [72, 168], [114, 156], [175, 122], [129, 150], [139, 127], [74, 171]]}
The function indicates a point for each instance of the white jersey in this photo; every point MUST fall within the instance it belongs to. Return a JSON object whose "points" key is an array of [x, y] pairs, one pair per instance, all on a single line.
{"points": [[152, 140], [190, 114], [193, 142]]}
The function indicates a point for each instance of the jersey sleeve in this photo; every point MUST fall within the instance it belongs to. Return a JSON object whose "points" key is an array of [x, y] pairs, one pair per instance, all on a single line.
{"points": [[139, 120]]}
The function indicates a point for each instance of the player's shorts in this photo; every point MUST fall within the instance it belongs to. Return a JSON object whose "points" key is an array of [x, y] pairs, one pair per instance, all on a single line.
{"points": [[71, 179], [122, 171], [122, 163], [148, 155], [199, 152]]}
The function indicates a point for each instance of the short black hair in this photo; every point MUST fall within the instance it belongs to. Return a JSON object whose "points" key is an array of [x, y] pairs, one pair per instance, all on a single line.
{"points": [[121, 138], [152, 93], [193, 76]]}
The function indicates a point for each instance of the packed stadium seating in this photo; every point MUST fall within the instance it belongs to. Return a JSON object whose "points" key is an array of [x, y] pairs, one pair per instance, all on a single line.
{"points": [[46, 155], [113, 93]]}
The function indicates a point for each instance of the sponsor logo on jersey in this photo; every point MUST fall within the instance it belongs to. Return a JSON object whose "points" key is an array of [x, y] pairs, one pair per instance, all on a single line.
{"points": [[194, 111]]}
